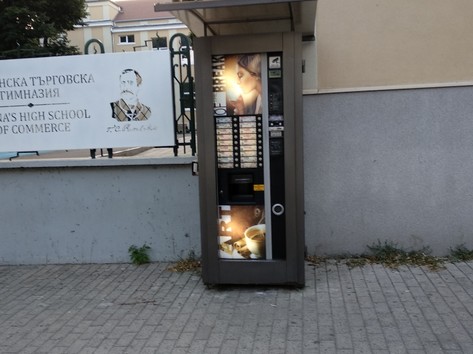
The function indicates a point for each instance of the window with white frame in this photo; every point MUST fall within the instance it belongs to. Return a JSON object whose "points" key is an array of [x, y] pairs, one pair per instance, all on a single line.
{"points": [[127, 39]]}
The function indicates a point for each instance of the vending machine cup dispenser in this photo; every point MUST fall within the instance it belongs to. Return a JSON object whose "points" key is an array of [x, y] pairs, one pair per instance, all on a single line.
{"points": [[249, 97]]}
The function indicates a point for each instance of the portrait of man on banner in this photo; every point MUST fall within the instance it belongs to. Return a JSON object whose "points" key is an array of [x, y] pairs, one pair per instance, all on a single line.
{"points": [[129, 107]]}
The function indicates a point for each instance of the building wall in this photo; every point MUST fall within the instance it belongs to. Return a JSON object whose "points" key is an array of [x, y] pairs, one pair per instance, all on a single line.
{"points": [[77, 39], [86, 213], [368, 44], [392, 166], [81, 36], [388, 143], [96, 12], [107, 39], [102, 10], [99, 33], [101, 26]]}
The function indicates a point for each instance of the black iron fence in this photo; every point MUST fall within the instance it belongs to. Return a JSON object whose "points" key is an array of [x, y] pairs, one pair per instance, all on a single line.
{"points": [[180, 47]]}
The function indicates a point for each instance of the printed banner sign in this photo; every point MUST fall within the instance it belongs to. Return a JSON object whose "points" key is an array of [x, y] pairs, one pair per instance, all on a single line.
{"points": [[86, 101]]}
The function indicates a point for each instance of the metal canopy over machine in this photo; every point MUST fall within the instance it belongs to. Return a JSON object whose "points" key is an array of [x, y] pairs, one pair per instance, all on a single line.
{"points": [[236, 17]]}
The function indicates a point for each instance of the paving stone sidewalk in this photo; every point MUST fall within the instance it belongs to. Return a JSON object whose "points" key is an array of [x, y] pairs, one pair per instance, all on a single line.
{"points": [[122, 308]]}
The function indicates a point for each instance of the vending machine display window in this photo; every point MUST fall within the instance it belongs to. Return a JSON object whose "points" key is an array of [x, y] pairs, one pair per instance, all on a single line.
{"points": [[249, 127]]}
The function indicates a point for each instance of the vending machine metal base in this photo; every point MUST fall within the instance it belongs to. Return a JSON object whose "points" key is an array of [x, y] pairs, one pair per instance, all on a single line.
{"points": [[249, 102]]}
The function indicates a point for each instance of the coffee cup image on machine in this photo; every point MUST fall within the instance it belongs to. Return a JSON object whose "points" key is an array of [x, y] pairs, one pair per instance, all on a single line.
{"points": [[242, 232]]}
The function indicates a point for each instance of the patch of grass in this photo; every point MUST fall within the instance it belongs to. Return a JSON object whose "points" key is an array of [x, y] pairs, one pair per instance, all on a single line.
{"points": [[392, 256], [139, 255], [189, 264], [461, 254], [358, 261], [315, 260]]}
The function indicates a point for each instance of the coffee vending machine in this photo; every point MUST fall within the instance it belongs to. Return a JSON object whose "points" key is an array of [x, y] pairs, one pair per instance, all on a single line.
{"points": [[248, 99]]}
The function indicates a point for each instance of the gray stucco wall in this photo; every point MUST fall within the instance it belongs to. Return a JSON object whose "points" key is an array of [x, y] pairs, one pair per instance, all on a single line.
{"points": [[389, 165], [87, 212]]}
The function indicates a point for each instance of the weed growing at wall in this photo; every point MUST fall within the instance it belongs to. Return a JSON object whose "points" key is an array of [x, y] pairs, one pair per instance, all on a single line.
{"points": [[139, 255], [461, 254]]}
